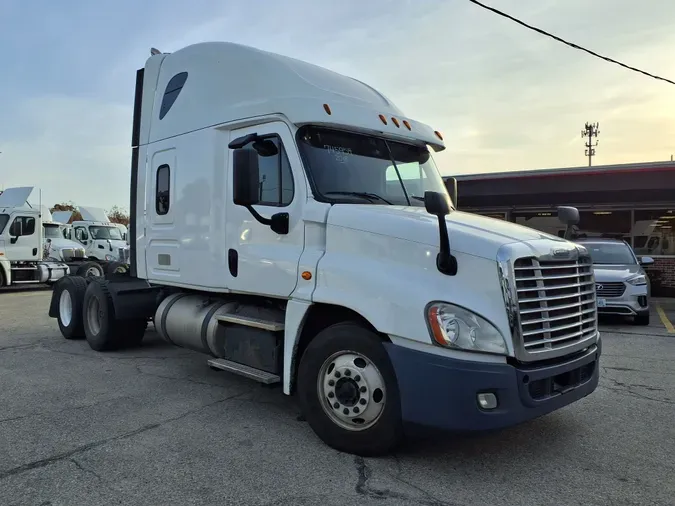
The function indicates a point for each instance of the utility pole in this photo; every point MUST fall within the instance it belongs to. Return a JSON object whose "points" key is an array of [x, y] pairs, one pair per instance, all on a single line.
{"points": [[590, 130]]}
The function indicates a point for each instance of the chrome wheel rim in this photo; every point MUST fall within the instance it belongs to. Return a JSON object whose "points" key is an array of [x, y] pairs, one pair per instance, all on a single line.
{"points": [[351, 390], [93, 271], [65, 308], [94, 316]]}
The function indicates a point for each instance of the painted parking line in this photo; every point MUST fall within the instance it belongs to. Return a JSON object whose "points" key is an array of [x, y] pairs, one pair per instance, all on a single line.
{"points": [[664, 319]]}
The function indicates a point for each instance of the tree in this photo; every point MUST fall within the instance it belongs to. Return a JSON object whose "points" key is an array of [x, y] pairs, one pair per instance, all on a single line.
{"points": [[118, 215], [68, 206]]}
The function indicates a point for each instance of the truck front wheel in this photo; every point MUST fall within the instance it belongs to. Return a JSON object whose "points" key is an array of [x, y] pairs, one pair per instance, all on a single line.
{"points": [[348, 391], [88, 269]]}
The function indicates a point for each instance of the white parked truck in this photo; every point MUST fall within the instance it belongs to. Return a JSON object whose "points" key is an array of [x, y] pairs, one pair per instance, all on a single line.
{"points": [[23, 255], [21, 262], [103, 240], [290, 222]]}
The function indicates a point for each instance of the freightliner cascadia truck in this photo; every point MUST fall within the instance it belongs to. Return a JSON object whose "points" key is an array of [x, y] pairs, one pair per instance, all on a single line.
{"points": [[290, 223]]}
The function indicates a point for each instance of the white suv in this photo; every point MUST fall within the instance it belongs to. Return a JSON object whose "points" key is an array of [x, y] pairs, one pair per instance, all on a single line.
{"points": [[621, 284]]}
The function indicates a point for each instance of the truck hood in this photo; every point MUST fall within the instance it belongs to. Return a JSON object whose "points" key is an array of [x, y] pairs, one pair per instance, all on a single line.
{"points": [[114, 242], [607, 273], [65, 243], [471, 234]]}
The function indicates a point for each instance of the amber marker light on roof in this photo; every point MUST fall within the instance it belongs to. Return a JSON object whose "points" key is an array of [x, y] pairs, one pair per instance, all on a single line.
{"points": [[395, 122], [326, 108], [406, 124], [438, 134], [383, 119]]}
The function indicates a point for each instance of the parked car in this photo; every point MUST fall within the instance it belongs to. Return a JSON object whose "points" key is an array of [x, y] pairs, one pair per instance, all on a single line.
{"points": [[621, 284]]}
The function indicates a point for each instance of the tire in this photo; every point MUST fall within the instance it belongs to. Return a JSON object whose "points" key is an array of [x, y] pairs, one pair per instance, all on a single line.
{"points": [[69, 292], [88, 269], [102, 330], [642, 319], [381, 431]]}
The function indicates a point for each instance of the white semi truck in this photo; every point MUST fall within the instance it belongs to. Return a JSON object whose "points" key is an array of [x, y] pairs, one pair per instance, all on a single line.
{"points": [[34, 245], [272, 229], [103, 240], [24, 257]]}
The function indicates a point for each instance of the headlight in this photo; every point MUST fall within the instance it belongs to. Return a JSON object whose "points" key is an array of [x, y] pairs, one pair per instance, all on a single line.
{"points": [[455, 327], [109, 258], [638, 280]]}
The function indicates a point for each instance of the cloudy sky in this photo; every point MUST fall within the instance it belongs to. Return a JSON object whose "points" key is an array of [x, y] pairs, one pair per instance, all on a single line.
{"points": [[504, 97]]}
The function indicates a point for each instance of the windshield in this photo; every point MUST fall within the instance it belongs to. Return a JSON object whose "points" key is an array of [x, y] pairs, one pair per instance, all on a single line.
{"points": [[52, 232], [350, 167], [610, 253], [112, 233]]}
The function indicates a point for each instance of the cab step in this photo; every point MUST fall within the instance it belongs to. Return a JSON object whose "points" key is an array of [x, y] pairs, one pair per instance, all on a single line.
{"points": [[244, 370], [247, 321]]}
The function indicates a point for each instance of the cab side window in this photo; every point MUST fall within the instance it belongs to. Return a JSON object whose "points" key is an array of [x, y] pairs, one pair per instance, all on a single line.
{"points": [[81, 234], [276, 179], [22, 225]]}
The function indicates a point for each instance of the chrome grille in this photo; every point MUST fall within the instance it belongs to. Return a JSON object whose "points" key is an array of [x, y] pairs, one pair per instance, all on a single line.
{"points": [[556, 303], [123, 255], [69, 254], [613, 289]]}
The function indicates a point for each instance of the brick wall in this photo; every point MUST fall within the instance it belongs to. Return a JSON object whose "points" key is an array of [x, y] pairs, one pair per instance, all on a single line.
{"points": [[662, 277]]}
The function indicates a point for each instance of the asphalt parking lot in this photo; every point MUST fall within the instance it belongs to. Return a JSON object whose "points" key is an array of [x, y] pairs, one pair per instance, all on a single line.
{"points": [[155, 425]]}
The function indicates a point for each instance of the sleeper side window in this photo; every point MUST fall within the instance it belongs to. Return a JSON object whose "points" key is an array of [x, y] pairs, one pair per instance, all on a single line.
{"points": [[173, 89], [162, 190]]}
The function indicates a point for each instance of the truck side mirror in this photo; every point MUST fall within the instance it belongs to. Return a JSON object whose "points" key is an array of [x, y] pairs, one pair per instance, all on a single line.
{"points": [[246, 184], [438, 204], [245, 177], [14, 232], [451, 185], [570, 217]]}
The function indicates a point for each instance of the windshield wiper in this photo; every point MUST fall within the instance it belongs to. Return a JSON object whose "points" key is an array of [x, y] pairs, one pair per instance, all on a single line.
{"points": [[370, 196], [421, 199]]}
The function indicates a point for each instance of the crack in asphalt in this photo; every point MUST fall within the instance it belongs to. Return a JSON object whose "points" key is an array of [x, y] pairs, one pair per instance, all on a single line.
{"points": [[71, 408], [606, 368], [364, 488], [85, 470], [628, 390], [174, 378], [37, 464]]}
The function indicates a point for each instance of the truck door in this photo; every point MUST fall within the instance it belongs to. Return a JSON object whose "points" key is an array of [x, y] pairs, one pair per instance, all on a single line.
{"points": [[24, 239], [259, 260]]}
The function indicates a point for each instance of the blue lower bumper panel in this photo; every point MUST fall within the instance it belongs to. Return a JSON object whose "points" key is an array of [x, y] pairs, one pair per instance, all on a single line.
{"points": [[441, 392]]}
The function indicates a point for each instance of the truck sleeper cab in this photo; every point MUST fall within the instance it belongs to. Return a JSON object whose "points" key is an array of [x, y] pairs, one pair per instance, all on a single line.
{"points": [[298, 232]]}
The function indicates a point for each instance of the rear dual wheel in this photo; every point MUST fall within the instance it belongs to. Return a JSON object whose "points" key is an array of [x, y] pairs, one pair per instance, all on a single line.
{"points": [[104, 332], [69, 292], [348, 391]]}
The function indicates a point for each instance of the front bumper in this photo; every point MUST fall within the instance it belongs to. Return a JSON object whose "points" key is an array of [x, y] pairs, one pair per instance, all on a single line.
{"points": [[634, 301], [441, 392]]}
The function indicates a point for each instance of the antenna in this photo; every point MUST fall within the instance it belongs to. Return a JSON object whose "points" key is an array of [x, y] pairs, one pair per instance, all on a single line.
{"points": [[590, 130]]}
